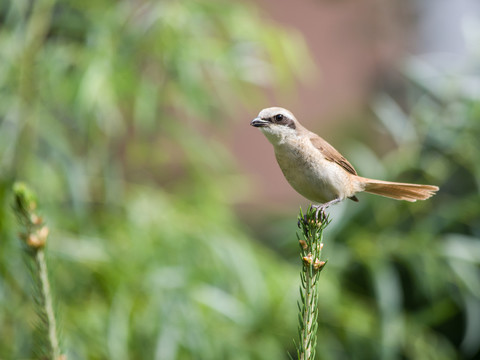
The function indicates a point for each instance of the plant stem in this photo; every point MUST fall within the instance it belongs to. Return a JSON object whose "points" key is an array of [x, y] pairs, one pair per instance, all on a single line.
{"points": [[46, 301], [308, 315], [310, 252], [34, 235]]}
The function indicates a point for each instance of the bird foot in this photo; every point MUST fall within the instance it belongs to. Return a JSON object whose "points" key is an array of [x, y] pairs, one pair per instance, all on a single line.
{"points": [[320, 209]]}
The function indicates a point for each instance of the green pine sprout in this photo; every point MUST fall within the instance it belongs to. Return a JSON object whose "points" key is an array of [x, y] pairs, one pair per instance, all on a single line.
{"points": [[310, 253], [34, 235]]}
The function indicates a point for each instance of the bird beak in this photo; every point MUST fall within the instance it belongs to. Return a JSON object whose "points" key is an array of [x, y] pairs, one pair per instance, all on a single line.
{"points": [[257, 122]]}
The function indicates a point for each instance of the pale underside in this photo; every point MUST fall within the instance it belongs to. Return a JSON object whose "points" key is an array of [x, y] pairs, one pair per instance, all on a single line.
{"points": [[314, 176]]}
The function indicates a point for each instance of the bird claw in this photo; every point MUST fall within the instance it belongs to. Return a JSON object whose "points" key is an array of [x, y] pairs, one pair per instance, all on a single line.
{"points": [[320, 209]]}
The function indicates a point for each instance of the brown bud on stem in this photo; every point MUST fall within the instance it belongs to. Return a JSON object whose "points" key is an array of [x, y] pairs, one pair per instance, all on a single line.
{"points": [[308, 259], [303, 244], [38, 239], [318, 264]]}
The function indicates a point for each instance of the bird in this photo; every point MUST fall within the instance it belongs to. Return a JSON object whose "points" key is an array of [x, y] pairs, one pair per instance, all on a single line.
{"points": [[317, 171]]}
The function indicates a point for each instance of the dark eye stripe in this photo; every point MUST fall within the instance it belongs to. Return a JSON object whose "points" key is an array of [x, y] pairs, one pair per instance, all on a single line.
{"points": [[290, 124], [283, 120]]}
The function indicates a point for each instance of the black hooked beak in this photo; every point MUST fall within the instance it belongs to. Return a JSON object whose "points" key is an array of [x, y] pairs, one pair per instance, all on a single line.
{"points": [[257, 122]]}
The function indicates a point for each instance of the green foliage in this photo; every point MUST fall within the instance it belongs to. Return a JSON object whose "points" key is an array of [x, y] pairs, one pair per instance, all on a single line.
{"points": [[105, 110]]}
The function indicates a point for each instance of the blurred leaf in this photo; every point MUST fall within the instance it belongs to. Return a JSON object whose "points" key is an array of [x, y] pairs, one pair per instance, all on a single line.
{"points": [[105, 110]]}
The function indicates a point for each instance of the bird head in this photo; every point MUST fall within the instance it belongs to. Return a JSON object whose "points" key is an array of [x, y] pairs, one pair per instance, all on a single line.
{"points": [[276, 123]]}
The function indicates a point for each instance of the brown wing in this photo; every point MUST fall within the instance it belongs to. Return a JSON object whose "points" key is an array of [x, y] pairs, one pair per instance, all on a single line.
{"points": [[331, 154]]}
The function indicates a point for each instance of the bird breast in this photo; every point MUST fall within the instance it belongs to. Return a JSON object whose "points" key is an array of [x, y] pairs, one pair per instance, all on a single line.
{"points": [[309, 173]]}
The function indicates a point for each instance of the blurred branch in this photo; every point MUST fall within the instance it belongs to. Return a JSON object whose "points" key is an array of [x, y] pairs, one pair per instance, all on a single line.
{"points": [[34, 235], [310, 251]]}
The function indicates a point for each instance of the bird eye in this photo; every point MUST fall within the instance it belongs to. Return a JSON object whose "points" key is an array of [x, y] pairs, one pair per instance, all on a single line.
{"points": [[278, 117]]}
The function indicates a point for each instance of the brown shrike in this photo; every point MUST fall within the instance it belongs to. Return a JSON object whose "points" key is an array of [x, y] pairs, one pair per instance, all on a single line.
{"points": [[319, 172]]}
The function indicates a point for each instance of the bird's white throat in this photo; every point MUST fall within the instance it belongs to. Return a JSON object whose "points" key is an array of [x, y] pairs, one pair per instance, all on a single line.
{"points": [[278, 135]]}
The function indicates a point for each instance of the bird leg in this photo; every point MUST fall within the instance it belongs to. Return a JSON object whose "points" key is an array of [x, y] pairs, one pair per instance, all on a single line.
{"points": [[321, 208]]}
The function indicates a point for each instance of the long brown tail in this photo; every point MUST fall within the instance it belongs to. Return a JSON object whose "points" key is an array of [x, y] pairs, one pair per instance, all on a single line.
{"points": [[399, 191]]}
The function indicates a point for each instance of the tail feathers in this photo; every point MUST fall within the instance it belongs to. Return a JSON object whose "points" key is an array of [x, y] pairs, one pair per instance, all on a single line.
{"points": [[399, 191]]}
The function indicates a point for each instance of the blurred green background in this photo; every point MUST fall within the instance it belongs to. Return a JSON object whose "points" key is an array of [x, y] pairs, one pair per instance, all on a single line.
{"points": [[116, 113]]}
